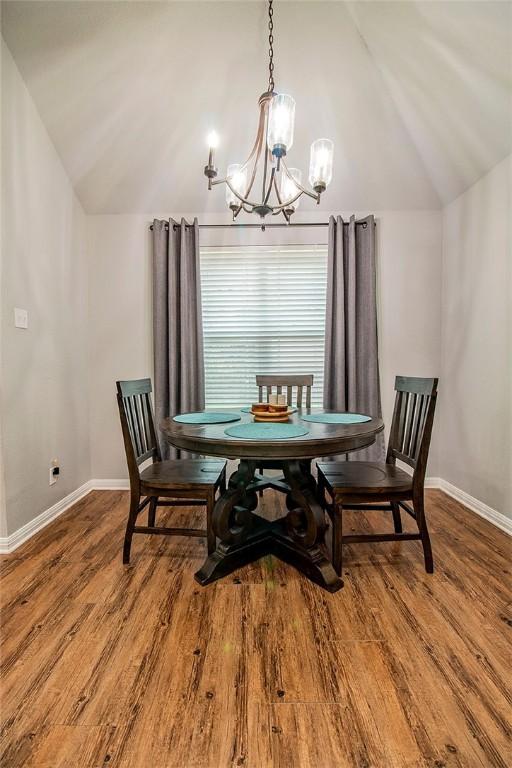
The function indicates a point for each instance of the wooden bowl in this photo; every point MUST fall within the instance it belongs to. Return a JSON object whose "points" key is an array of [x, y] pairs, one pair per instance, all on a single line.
{"points": [[260, 407], [278, 409], [271, 417]]}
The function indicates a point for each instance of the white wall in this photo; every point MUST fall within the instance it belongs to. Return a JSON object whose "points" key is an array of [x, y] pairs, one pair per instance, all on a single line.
{"points": [[120, 334], [3, 519], [119, 247], [476, 386], [44, 396]]}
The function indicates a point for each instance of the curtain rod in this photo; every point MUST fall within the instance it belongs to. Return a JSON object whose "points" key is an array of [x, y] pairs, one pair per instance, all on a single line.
{"points": [[263, 226]]}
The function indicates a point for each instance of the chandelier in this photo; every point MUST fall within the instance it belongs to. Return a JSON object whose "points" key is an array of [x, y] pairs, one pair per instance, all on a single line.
{"points": [[265, 168]]}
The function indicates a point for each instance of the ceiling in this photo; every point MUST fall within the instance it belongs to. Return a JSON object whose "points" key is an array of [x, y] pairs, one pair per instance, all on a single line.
{"points": [[417, 96]]}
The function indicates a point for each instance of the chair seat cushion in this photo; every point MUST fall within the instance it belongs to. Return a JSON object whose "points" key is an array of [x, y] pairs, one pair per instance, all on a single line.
{"points": [[183, 472], [357, 477]]}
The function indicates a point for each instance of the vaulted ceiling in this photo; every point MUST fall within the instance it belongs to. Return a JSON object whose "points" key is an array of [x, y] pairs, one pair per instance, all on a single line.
{"points": [[417, 96]]}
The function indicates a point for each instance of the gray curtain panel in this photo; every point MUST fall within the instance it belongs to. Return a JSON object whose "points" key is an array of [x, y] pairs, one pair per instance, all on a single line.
{"points": [[177, 322], [351, 375]]}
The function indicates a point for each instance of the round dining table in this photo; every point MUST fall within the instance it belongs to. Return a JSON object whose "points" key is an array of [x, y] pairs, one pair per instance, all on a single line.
{"points": [[243, 536]]}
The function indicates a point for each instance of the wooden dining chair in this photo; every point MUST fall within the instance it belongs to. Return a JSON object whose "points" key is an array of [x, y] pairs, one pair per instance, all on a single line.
{"points": [[294, 385], [355, 485], [174, 483], [289, 383]]}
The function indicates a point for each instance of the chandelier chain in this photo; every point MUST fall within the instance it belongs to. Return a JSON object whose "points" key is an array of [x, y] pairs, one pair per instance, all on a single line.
{"points": [[270, 47]]}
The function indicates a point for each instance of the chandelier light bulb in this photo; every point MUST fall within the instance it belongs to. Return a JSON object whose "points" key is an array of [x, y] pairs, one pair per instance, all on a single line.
{"points": [[213, 139], [288, 189], [238, 180], [320, 165], [281, 119]]}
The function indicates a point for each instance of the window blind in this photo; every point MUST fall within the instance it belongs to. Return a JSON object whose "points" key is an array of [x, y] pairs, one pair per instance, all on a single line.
{"points": [[263, 312]]}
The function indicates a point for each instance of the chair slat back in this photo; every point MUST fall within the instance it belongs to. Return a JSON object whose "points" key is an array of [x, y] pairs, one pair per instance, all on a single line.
{"points": [[288, 382], [137, 422], [411, 427]]}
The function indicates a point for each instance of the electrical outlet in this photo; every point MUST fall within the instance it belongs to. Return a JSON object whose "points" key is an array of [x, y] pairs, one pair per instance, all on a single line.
{"points": [[20, 318], [54, 471]]}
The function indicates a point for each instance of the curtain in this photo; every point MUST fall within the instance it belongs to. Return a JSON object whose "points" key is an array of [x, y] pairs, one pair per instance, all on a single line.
{"points": [[351, 377], [177, 322]]}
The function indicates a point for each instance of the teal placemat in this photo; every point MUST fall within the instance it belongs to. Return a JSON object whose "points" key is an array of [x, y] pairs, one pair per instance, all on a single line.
{"points": [[206, 417], [336, 418], [261, 431], [247, 409]]}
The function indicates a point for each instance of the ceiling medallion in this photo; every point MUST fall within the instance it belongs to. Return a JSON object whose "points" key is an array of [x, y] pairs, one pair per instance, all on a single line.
{"points": [[281, 187]]}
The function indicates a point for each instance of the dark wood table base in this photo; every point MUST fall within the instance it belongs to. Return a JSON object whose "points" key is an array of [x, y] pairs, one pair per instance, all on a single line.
{"points": [[298, 538]]}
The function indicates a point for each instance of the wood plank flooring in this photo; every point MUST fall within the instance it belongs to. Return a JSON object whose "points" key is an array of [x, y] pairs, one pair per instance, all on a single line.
{"points": [[140, 667]]}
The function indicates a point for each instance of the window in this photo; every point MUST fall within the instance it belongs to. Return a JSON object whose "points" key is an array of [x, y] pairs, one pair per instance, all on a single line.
{"points": [[263, 312]]}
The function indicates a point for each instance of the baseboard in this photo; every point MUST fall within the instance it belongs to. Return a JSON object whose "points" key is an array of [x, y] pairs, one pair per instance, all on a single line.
{"points": [[110, 485], [10, 543], [475, 505], [433, 482]]}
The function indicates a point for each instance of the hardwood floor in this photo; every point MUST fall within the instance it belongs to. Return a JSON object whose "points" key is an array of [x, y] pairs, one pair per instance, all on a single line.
{"points": [[140, 667]]}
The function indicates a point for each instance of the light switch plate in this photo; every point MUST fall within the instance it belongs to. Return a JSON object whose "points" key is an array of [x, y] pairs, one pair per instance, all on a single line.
{"points": [[20, 318]]}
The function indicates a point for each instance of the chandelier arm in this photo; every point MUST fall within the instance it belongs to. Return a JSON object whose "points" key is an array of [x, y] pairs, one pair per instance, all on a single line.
{"points": [[275, 208], [255, 148], [277, 191], [253, 176], [276, 212], [219, 181], [258, 147], [264, 182], [287, 203], [242, 168], [314, 195], [283, 211], [280, 210], [269, 190], [259, 139], [238, 195]]}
